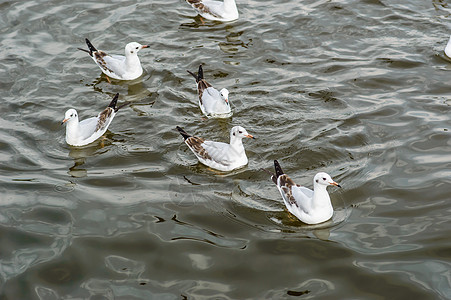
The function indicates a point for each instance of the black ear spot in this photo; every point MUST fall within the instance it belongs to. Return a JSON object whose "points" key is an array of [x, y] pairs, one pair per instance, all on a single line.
{"points": [[234, 133], [316, 180], [131, 51]]}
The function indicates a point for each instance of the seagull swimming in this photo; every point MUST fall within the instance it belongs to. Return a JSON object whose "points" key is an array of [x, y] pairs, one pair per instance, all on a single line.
{"points": [[215, 10], [217, 155], [212, 103], [448, 48], [89, 130], [311, 207], [120, 67]]}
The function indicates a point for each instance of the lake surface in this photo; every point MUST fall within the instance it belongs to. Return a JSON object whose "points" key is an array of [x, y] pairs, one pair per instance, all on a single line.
{"points": [[358, 89]]}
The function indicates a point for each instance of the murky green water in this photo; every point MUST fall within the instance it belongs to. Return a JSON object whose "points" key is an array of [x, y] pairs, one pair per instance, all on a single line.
{"points": [[359, 89]]}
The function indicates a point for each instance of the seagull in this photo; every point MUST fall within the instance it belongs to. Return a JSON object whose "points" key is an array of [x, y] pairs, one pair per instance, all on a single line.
{"points": [[217, 155], [211, 102], [215, 10], [120, 67], [448, 48], [89, 130], [311, 207]]}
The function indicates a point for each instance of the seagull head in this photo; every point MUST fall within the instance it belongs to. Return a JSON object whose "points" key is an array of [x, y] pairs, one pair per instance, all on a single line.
{"points": [[239, 132], [324, 179], [224, 95], [71, 114], [133, 48]]}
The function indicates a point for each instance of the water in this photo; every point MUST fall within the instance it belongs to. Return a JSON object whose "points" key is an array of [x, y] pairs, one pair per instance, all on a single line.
{"points": [[359, 89]]}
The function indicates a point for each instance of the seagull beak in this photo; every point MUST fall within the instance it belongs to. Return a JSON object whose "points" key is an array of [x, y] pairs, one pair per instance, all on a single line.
{"points": [[336, 184], [64, 121], [144, 46], [227, 101], [249, 136]]}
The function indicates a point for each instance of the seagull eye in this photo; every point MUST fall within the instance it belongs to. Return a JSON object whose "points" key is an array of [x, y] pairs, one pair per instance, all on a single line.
{"points": [[137, 48], [240, 131], [324, 178]]}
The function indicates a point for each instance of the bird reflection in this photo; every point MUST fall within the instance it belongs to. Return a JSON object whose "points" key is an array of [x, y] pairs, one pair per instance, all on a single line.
{"points": [[80, 154], [135, 88], [232, 43]]}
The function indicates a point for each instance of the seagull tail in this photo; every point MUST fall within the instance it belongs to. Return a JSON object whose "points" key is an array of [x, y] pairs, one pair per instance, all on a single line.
{"points": [[273, 176], [278, 169], [119, 107], [91, 47], [89, 52], [183, 132], [114, 102], [192, 74], [200, 74]]}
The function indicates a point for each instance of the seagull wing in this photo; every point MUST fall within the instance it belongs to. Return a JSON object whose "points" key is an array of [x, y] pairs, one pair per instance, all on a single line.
{"points": [[296, 198], [218, 152], [116, 64], [111, 65], [303, 198], [210, 98], [92, 128], [88, 127], [207, 7], [208, 152], [202, 85]]}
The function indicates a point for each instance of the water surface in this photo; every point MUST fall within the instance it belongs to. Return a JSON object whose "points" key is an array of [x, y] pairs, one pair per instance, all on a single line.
{"points": [[358, 89]]}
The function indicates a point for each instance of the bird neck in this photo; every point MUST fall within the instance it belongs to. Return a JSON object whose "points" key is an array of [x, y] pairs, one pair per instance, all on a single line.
{"points": [[221, 106], [72, 131], [320, 195], [132, 60], [236, 143]]}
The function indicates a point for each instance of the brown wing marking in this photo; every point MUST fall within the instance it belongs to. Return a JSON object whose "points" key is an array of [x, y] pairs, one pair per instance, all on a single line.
{"points": [[195, 143], [197, 4], [99, 55], [286, 184], [201, 86], [103, 117]]}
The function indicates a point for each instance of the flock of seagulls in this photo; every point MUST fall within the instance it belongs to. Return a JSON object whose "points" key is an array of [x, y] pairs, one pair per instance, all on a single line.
{"points": [[309, 206]]}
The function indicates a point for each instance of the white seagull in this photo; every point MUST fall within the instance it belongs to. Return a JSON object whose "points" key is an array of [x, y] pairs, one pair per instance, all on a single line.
{"points": [[448, 48], [212, 103], [217, 155], [215, 10], [311, 207], [120, 67], [89, 130]]}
